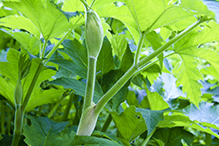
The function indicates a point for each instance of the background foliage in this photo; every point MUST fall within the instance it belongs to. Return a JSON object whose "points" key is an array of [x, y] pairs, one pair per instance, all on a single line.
{"points": [[172, 102]]}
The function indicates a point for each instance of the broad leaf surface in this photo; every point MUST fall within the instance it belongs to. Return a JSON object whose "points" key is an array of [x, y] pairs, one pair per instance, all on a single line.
{"points": [[44, 131], [188, 74], [207, 112], [20, 22], [129, 123], [173, 136], [39, 96], [49, 20], [78, 54], [92, 141], [179, 120], [78, 86], [151, 118], [29, 42], [105, 59], [156, 102]]}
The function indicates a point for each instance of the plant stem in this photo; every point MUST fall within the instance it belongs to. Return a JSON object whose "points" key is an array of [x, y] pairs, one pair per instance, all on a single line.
{"points": [[107, 123], [49, 55], [157, 52], [67, 109], [148, 138], [119, 84], [2, 117], [115, 88], [138, 51], [56, 106], [19, 114], [44, 49], [31, 87], [90, 82]]}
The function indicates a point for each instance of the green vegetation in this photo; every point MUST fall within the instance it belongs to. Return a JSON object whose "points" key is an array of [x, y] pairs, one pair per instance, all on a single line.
{"points": [[107, 72]]}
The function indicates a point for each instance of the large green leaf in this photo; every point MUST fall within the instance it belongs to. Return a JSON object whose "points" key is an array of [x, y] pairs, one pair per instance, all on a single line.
{"points": [[20, 22], [188, 74], [179, 120], [29, 42], [151, 117], [49, 20], [44, 131], [173, 136], [79, 61], [156, 101], [107, 81], [10, 71], [207, 113], [92, 141], [105, 59], [78, 86], [129, 123]]}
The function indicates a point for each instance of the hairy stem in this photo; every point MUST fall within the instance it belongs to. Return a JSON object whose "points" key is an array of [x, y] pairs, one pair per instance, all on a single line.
{"points": [[157, 52], [119, 84], [18, 121], [115, 88], [90, 82]]}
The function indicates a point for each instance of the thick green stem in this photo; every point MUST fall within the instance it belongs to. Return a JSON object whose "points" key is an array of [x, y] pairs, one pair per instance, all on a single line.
{"points": [[88, 121], [107, 123], [119, 84], [68, 107], [19, 115], [115, 88], [148, 138], [157, 52], [90, 82]]}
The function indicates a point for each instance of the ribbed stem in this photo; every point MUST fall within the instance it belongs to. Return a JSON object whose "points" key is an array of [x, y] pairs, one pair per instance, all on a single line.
{"points": [[90, 82]]}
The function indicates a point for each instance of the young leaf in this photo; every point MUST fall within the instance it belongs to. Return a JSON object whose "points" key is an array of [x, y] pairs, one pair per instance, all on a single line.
{"points": [[44, 131], [11, 74], [119, 45]]}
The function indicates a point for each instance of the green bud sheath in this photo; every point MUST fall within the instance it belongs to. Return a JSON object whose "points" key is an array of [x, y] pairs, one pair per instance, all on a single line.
{"points": [[93, 33], [88, 121], [18, 93]]}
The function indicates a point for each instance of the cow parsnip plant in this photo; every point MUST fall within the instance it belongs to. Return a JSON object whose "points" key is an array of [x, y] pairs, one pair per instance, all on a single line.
{"points": [[107, 72]]}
